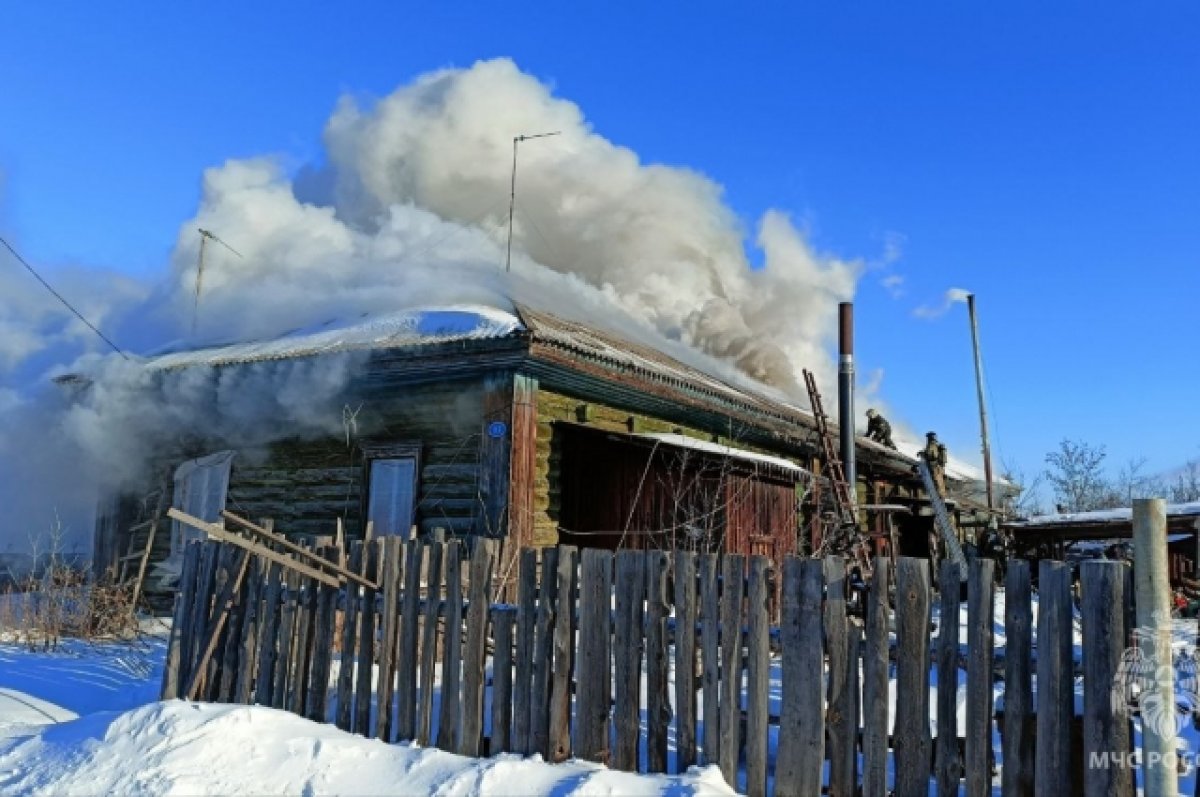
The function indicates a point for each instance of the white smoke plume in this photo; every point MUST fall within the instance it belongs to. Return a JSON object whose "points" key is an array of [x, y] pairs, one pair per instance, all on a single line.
{"points": [[408, 207], [952, 297]]}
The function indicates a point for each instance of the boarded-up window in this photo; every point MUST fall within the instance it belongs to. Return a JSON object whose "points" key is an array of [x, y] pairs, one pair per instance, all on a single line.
{"points": [[392, 495], [200, 489]]}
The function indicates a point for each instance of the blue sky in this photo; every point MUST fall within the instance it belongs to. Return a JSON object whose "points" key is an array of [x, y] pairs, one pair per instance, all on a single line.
{"points": [[1044, 158]]}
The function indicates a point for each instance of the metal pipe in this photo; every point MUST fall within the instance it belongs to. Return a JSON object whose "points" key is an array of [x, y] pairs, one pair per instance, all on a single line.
{"points": [[846, 394], [983, 424]]}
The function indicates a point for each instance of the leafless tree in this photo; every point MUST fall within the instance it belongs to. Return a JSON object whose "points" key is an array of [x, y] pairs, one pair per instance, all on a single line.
{"points": [[1075, 472]]}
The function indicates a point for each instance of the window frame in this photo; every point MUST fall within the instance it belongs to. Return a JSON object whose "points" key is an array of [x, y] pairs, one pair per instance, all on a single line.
{"points": [[376, 450]]}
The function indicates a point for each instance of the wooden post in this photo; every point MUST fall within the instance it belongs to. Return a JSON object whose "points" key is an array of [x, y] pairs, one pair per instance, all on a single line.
{"points": [[949, 765], [980, 666], [758, 677], [875, 684], [1105, 731], [543, 656], [658, 703], [841, 738], [503, 618], [450, 717], [1016, 776], [1055, 692], [627, 659], [1153, 602], [594, 675], [710, 656], [685, 660], [475, 648], [911, 735], [801, 753], [559, 738], [406, 669], [733, 576], [526, 622]]}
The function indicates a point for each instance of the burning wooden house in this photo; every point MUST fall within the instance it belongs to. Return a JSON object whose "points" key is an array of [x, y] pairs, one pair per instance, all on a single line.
{"points": [[524, 426]]}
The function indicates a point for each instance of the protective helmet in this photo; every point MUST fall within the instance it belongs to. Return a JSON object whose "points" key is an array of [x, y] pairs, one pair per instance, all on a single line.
{"points": [[871, 413], [931, 435]]}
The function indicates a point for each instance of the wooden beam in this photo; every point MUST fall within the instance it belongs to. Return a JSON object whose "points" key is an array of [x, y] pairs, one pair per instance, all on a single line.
{"points": [[279, 539]]}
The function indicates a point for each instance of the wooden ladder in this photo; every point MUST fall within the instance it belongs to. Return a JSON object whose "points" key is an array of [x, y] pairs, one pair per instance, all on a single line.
{"points": [[842, 494], [142, 535]]}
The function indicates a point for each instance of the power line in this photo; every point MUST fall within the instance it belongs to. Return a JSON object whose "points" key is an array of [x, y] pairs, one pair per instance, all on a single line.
{"points": [[59, 296]]}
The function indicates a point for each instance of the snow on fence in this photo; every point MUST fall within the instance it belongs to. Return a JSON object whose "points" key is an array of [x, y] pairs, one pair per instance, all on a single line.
{"points": [[625, 658]]}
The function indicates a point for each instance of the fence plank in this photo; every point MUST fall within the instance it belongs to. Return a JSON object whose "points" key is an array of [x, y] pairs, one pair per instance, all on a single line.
{"points": [[875, 684], [366, 640], [543, 656], [685, 660], [322, 649], [733, 574], [206, 577], [187, 583], [658, 701], [948, 763], [449, 717], [1105, 731], [1055, 693], [526, 621], [433, 600], [345, 681], [1016, 776], [406, 669], [800, 757], [269, 638], [390, 575], [911, 742], [214, 631], [559, 738], [627, 659], [503, 618], [243, 691], [980, 666], [287, 640], [475, 647], [232, 644], [710, 656], [758, 680], [594, 676], [840, 736]]}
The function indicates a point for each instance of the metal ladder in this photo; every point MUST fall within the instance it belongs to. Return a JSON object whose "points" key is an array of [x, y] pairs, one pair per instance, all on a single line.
{"points": [[941, 519], [843, 497]]}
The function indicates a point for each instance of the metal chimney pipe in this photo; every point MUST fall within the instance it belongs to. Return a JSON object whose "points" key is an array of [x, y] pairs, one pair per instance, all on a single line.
{"points": [[846, 393]]}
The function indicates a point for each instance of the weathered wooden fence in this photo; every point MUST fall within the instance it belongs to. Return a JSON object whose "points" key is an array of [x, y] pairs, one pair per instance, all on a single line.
{"points": [[621, 657]]}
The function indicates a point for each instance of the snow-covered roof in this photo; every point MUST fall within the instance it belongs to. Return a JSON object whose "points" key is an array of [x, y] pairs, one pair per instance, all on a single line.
{"points": [[1119, 515], [694, 444], [411, 327]]}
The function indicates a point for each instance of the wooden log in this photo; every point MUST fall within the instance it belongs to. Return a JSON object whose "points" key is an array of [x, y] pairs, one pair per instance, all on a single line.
{"points": [[475, 647], [758, 675], [911, 743], [346, 661], [450, 715], [980, 680], [710, 656], [433, 601], [270, 642], [801, 754], [658, 702], [875, 684], [733, 575], [685, 660], [1016, 776], [393, 550], [406, 669], [1105, 731], [559, 738], [1055, 692], [841, 738], [247, 657], [948, 763], [366, 640], [287, 640], [526, 623], [543, 656], [594, 676], [627, 659], [503, 619], [181, 620]]}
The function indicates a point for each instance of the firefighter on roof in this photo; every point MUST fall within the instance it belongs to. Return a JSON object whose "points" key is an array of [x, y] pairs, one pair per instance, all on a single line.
{"points": [[878, 429]]}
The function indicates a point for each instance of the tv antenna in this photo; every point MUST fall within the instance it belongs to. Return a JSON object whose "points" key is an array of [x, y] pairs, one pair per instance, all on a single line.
{"points": [[205, 237], [512, 196]]}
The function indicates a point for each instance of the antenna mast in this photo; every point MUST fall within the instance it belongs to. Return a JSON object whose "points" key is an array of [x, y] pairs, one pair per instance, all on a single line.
{"points": [[205, 235], [512, 192]]}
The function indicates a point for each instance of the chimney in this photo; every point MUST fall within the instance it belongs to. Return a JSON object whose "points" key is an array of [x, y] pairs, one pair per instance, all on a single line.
{"points": [[846, 393]]}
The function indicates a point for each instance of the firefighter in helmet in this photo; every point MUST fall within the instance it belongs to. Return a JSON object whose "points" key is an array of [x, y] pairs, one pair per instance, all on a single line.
{"points": [[878, 429]]}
